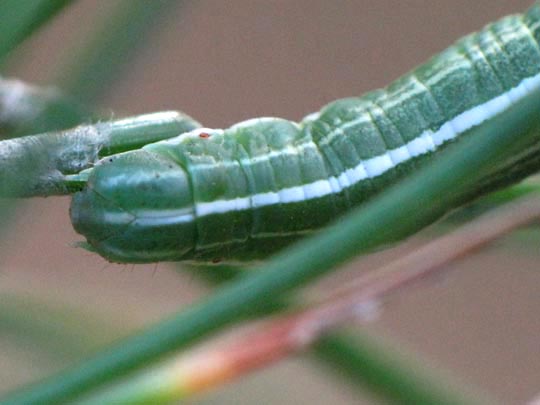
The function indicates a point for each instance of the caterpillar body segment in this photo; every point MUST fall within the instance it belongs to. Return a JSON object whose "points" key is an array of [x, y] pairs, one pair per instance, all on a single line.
{"points": [[247, 191]]}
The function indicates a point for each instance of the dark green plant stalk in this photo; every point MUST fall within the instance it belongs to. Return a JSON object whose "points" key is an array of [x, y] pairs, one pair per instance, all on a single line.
{"points": [[20, 18], [160, 129], [397, 213], [40, 165], [527, 187], [106, 55], [46, 159], [96, 65], [22, 108], [53, 330], [354, 359], [385, 372], [360, 359], [26, 320]]}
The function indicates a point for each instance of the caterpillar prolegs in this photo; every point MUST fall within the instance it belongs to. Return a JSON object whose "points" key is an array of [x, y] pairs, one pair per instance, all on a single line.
{"points": [[247, 191]]}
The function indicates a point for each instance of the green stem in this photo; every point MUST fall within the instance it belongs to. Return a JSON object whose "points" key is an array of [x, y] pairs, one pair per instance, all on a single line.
{"points": [[398, 212], [60, 333], [362, 362], [365, 363], [50, 163], [104, 58], [20, 18], [385, 372], [529, 186], [99, 62], [22, 108]]}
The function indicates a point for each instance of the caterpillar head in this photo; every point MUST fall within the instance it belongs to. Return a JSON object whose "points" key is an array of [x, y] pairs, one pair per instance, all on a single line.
{"points": [[136, 207]]}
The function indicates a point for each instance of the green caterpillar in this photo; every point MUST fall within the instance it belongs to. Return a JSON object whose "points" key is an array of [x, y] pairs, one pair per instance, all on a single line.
{"points": [[247, 191]]}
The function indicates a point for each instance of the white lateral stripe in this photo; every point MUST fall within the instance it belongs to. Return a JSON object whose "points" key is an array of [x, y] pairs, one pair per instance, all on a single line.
{"points": [[294, 195], [263, 199], [444, 134], [426, 142], [223, 206], [161, 220], [399, 155], [151, 217], [378, 165], [317, 189]]}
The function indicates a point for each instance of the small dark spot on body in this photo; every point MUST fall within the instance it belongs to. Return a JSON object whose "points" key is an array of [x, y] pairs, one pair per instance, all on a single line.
{"points": [[217, 260], [157, 176], [204, 135]]}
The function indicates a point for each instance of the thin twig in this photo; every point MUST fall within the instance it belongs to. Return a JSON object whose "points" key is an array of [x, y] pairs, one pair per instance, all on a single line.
{"points": [[284, 335]]}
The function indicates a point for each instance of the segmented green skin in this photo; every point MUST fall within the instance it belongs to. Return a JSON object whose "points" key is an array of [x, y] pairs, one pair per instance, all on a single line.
{"points": [[245, 192]]}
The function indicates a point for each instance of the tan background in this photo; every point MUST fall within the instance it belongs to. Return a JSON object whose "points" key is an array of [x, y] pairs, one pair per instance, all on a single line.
{"points": [[225, 61]]}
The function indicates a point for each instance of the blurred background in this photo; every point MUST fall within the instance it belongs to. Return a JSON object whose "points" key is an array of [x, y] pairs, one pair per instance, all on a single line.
{"points": [[223, 62]]}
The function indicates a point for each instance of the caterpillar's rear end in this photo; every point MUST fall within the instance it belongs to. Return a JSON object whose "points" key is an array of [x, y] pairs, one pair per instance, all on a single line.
{"points": [[245, 192]]}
